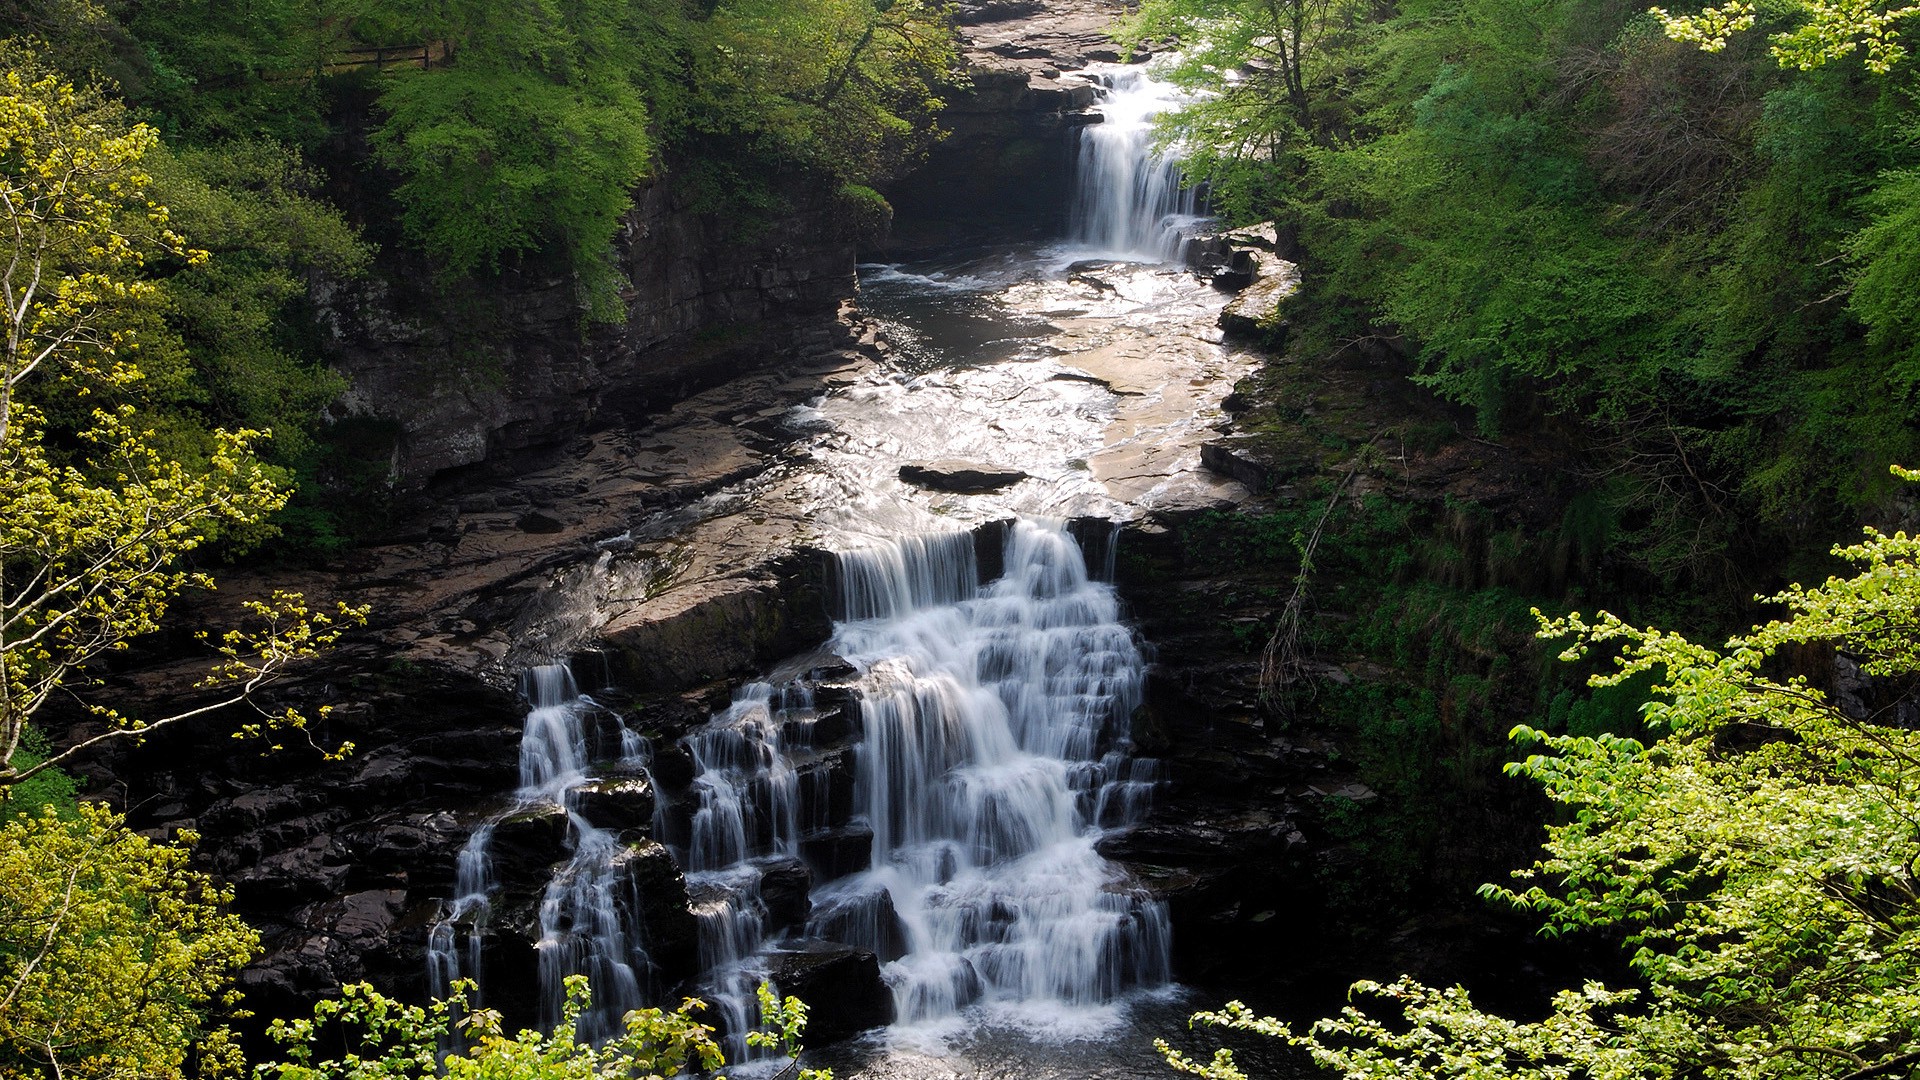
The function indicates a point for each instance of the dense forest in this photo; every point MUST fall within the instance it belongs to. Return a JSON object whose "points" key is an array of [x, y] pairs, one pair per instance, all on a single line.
{"points": [[1691, 267], [1680, 250]]}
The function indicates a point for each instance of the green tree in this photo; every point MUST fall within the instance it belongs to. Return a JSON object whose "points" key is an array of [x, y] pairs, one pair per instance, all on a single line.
{"points": [[533, 139], [112, 953], [1827, 30], [1759, 859], [388, 1040], [96, 518]]}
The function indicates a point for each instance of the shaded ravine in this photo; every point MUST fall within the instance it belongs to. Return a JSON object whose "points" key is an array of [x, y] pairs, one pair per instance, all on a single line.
{"points": [[987, 719]]}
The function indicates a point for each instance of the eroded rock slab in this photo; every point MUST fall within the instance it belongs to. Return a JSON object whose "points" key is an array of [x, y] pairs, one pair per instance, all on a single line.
{"points": [[964, 477]]}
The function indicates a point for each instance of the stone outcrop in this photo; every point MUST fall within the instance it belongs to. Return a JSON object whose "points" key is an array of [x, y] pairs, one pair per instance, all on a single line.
{"points": [[1247, 262], [841, 985], [1007, 164], [514, 366]]}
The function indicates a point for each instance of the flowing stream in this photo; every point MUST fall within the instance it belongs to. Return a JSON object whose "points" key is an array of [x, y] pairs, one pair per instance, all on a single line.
{"points": [[989, 743], [1131, 202]]}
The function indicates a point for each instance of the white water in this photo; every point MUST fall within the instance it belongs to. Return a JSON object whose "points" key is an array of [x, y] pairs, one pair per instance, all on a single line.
{"points": [[585, 915], [994, 749], [996, 725], [1130, 201]]}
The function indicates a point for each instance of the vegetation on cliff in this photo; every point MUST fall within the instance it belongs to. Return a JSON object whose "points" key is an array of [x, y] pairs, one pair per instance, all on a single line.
{"points": [[513, 133], [1694, 268], [99, 508], [1757, 857], [112, 954]]}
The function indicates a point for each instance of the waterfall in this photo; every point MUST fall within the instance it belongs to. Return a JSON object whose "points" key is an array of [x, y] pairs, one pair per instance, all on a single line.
{"points": [[1130, 201], [585, 922], [746, 819], [995, 741], [992, 750]]}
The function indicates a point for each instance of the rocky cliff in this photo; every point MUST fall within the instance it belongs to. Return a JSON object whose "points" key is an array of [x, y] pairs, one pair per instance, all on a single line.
{"points": [[489, 371]]}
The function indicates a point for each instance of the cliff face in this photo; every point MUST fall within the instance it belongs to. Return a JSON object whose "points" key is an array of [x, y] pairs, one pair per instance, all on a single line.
{"points": [[473, 377], [1007, 163]]}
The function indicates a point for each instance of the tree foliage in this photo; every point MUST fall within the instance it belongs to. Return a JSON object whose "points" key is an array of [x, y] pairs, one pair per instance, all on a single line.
{"points": [[1695, 266], [1759, 859], [96, 518], [112, 953], [388, 1040]]}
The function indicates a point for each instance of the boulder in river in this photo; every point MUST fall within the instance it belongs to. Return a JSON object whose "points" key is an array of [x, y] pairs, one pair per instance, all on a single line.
{"points": [[964, 477], [620, 803], [841, 986]]}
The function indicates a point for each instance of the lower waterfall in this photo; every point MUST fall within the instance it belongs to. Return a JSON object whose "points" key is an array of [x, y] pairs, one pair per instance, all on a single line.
{"points": [[993, 749], [989, 753]]}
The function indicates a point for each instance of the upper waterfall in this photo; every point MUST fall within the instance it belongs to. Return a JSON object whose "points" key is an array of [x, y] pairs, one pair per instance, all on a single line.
{"points": [[1131, 200]]}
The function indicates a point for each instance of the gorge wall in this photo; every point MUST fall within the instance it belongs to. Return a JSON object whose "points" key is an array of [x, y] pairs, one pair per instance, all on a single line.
{"points": [[492, 371]]}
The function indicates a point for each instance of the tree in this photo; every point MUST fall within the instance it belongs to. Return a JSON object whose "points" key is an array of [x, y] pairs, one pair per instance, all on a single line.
{"points": [[1828, 30], [95, 517], [1261, 67], [392, 1041], [111, 952], [1759, 858]]}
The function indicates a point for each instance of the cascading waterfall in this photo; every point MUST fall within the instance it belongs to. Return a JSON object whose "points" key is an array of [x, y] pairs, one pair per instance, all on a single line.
{"points": [[583, 922], [994, 752], [1131, 201], [994, 749], [995, 739], [747, 795]]}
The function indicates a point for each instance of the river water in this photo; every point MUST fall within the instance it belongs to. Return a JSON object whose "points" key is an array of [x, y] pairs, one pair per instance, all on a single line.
{"points": [[994, 750]]}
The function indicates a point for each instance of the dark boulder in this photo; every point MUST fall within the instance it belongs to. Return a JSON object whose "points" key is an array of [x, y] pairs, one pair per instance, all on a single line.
{"points": [[841, 986], [618, 803], [783, 889], [660, 893], [835, 853], [962, 477], [525, 846], [861, 916]]}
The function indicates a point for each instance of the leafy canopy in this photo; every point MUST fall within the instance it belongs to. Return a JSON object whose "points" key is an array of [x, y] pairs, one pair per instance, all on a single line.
{"points": [[111, 952], [1759, 858], [96, 514]]}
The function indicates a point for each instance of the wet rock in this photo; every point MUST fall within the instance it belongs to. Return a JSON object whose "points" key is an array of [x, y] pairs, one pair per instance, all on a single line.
{"points": [[835, 853], [989, 11], [836, 724], [783, 888], [672, 934], [864, 916], [990, 550], [711, 630], [413, 850], [1229, 457], [826, 787], [841, 986], [673, 767], [526, 845], [1254, 312], [962, 477], [620, 803]]}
